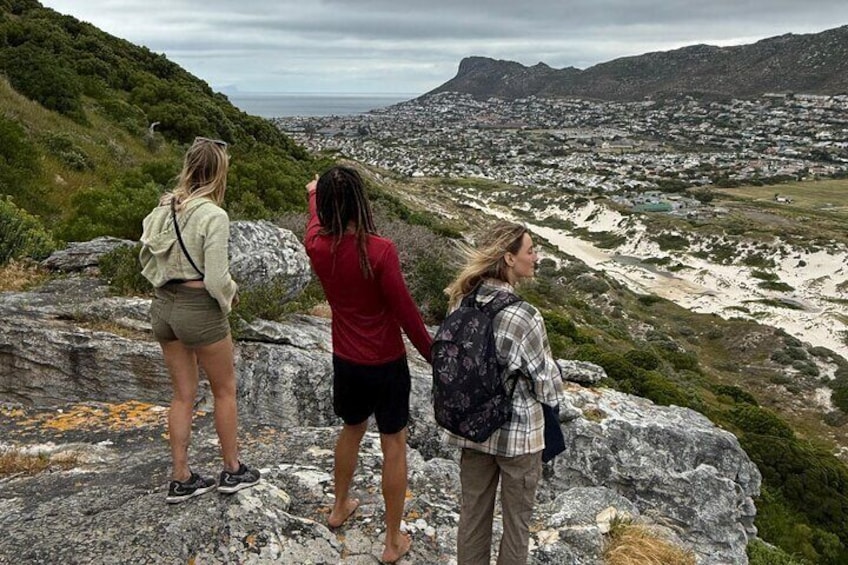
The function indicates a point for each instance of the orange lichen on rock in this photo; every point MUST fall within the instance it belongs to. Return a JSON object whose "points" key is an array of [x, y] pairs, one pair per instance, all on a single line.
{"points": [[124, 416]]}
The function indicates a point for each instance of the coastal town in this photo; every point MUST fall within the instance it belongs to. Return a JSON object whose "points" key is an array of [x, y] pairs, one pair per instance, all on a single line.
{"points": [[636, 152]]}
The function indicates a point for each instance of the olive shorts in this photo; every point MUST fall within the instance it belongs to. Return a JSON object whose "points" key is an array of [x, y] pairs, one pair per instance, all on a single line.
{"points": [[191, 315]]}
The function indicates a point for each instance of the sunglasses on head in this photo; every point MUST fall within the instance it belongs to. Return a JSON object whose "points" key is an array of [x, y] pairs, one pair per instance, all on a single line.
{"points": [[218, 142]]}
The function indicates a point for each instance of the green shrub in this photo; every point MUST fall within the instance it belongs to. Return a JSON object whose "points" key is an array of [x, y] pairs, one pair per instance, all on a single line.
{"points": [[797, 353], [22, 234], [591, 284], [806, 367], [557, 324], [781, 357], [681, 360], [37, 75], [835, 418], [643, 359], [431, 274], [20, 168], [761, 421], [656, 387], [667, 241], [616, 366], [116, 210], [736, 394], [648, 299], [777, 286], [778, 522], [69, 153], [839, 386], [269, 302], [121, 269]]}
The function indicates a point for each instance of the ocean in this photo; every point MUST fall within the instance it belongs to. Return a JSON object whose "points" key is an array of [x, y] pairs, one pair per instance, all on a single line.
{"points": [[275, 105]]}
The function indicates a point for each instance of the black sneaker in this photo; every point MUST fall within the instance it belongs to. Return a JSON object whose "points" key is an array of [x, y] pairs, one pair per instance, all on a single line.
{"points": [[179, 491], [233, 482]]}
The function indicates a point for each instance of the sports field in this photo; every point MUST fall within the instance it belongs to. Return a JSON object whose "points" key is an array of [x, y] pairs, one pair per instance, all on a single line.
{"points": [[823, 195]]}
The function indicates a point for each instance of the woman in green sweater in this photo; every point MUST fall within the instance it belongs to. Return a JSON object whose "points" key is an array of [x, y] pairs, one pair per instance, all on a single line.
{"points": [[184, 255]]}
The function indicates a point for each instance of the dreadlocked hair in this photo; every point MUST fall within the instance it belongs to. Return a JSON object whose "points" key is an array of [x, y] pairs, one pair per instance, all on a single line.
{"points": [[341, 202]]}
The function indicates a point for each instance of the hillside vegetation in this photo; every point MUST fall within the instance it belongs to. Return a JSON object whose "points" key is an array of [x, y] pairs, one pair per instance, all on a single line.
{"points": [[93, 128]]}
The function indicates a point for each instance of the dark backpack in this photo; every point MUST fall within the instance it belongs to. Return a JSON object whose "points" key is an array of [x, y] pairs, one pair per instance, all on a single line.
{"points": [[469, 397]]}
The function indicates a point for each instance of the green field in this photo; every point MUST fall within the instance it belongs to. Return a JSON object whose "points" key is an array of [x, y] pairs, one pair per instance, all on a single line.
{"points": [[824, 195]]}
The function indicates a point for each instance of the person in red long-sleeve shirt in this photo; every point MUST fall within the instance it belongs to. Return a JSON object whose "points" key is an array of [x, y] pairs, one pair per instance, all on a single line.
{"points": [[361, 276]]}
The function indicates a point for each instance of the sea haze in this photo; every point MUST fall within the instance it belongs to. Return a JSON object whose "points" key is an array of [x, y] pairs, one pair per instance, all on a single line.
{"points": [[275, 105]]}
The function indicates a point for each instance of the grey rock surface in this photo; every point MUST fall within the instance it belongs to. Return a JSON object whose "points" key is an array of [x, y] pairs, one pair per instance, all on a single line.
{"points": [[80, 255], [667, 466], [581, 372], [263, 255]]}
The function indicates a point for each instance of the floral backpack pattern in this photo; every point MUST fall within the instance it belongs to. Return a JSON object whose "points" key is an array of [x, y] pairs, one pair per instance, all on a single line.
{"points": [[469, 396]]}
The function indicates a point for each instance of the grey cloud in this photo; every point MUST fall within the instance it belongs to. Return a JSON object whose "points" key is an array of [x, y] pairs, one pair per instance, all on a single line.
{"points": [[226, 40]]}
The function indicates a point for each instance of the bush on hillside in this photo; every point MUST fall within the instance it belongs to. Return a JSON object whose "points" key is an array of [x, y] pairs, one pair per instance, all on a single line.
{"points": [[643, 359], [792, 531], [69, 153], [21, 234], [429, 263], [761, 421], [735, 394], [654, 386], [121, 270], [42, 78], [20, 167], [116, 210], [811, 482]]}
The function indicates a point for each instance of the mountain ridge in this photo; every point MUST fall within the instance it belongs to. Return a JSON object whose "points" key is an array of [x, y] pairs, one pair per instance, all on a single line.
{"points": [[810, 63]]}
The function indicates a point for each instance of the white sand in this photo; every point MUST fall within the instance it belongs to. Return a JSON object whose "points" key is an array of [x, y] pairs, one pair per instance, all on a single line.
{"points": [[708, 287]]}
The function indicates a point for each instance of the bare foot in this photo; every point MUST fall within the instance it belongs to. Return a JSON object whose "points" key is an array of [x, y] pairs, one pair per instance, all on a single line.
{"points": [[393, 553], [340, 515]]}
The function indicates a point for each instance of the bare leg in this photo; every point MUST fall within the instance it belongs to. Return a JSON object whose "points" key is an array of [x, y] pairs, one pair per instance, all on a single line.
{"points": [[394, 494], [182, 367], [347, 455], [217, 362]]}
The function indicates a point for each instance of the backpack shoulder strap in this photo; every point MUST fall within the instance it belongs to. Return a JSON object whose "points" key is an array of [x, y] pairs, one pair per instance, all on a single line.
{"points": [[501, 300], [180, 239]]}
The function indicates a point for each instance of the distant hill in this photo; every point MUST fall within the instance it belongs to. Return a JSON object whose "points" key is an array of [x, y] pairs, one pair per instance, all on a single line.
{"points": [[813, 63]]}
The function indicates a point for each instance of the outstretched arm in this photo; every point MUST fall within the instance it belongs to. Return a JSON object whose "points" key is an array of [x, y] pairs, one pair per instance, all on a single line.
{"points": [[401, 304]]}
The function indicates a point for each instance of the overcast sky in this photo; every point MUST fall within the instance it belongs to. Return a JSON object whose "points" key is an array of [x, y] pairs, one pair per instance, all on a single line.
{"points": [[412, 46]]}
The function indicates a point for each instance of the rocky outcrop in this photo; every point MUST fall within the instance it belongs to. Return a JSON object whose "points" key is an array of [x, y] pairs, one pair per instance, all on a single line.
{"points": [[80, 255], [264, 255], [664, 466]]}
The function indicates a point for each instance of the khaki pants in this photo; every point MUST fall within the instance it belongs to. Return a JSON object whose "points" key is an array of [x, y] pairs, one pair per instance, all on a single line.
{"points": [[479, 474]]}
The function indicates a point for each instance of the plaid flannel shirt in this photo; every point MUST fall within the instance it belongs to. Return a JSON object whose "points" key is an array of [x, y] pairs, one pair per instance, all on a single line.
{"points": [[522, 344]]}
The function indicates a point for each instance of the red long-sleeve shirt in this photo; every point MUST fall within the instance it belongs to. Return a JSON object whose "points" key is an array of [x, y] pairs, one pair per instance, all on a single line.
{"points": [[368, 313]]}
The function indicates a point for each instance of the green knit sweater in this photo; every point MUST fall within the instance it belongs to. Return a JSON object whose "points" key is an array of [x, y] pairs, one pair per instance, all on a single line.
{"points": [[205, 229]]}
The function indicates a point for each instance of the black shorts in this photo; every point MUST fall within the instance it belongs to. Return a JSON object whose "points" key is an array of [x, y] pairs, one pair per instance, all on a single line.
{"points": [[382, 390]]}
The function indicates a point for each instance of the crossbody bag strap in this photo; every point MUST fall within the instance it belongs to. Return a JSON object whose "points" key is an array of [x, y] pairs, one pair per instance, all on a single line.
{"points": [[180, 238]]}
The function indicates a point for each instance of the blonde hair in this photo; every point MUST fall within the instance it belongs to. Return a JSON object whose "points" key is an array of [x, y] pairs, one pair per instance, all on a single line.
{"points": [[204, 174], [486, 261]]}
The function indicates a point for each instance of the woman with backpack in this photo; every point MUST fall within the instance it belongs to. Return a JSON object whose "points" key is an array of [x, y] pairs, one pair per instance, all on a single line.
{"points": [[361, 277], [513, 453]]}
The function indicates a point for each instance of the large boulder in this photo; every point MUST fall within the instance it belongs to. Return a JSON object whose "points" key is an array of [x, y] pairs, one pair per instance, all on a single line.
{"points": [[81, 255], [264, 256]]}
